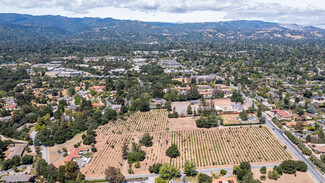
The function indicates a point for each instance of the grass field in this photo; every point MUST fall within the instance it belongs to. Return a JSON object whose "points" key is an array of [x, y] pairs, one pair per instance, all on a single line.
{"points": [[208, 148]]}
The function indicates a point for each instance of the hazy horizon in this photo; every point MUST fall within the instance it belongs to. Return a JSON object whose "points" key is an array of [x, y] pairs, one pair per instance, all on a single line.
{"points": [[182, 11]]}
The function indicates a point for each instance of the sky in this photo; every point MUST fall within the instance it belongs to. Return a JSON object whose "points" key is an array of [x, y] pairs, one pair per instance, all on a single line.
{"points": [[302, 12]]}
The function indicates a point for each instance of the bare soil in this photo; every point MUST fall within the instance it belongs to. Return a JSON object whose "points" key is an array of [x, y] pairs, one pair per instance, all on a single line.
{"points": [[230, 119], [301, 177], [186, 123]]}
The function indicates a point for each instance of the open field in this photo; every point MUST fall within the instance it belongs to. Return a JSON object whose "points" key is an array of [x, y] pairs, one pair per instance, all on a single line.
{"points": [[222, 101], [229, 119], [301, 177], [186, 123], [208, 148]]}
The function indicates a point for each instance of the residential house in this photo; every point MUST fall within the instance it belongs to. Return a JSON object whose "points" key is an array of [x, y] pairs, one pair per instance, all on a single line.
{"points": [[98, 88], [225, 180], [281, 115], [183, 90], [117, 70], [268, 105], [291, 124], [18, 150], [10, 107], [205, 91], [237, 106], [76, 153]]}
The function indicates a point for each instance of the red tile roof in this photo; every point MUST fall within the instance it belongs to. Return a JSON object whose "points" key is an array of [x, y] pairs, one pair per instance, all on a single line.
{"points": [[74, 153], [98, 87], [225, 180], [281, 113], [96, 104], [10, 106], [291, 124]]}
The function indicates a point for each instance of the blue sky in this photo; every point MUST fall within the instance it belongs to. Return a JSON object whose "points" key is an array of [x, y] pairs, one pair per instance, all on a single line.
{"points": [[303, 12]]}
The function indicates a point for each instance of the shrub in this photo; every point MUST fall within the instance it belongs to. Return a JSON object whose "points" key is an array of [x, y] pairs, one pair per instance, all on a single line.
{"points": [[160, 180], [301, 166], [155, 168], [137, 165], [223, 172], [288, 166], [203, 178], [273, 175], [318, 162], [263, 177], [263, 170], [146, 140]]}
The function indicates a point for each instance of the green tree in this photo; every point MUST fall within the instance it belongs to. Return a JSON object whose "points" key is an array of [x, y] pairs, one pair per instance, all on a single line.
{"points": [[41, 167], [243, 115], [146, 140], [301, 166], [190, 168], [60, 173], [203, 178], [172, 151], [71, 170], [263, 170], [189, 109], [288, 166], [113, 175], [273, 175], [155, 168], [168, 172], [27, 159]]}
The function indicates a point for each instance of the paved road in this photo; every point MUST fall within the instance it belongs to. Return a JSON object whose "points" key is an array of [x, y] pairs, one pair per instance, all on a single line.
{"points": [[45, 154], [206, 171], [315, 174]]}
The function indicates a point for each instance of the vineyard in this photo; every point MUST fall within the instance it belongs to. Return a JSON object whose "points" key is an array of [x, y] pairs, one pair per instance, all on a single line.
{"points": [[154, 120], [207, 148]]}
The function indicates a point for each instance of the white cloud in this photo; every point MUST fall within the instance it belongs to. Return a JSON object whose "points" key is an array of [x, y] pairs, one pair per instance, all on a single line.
{"points": [[311, 12]]}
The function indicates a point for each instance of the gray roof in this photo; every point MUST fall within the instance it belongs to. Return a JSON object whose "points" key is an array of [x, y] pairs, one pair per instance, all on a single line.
{"points": [[18, 151]]}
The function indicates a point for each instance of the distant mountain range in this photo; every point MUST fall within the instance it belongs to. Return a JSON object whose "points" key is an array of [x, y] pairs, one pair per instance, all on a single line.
{"points": [[18, 27]]}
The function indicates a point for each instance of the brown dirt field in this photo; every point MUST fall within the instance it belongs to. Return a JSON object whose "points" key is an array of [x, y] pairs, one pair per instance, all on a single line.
{"points": [[208, 148], [68, 144], [221, 102], [65, 93], [53, 157], [230, 119], [302, 177], [187, 123]]}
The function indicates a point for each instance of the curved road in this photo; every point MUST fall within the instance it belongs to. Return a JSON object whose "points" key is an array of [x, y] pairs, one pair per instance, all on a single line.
{"points": [[312, 170]]}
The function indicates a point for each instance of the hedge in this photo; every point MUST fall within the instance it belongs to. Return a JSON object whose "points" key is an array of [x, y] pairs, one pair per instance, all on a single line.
{"points": [[317, 162], [299, 143]]}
